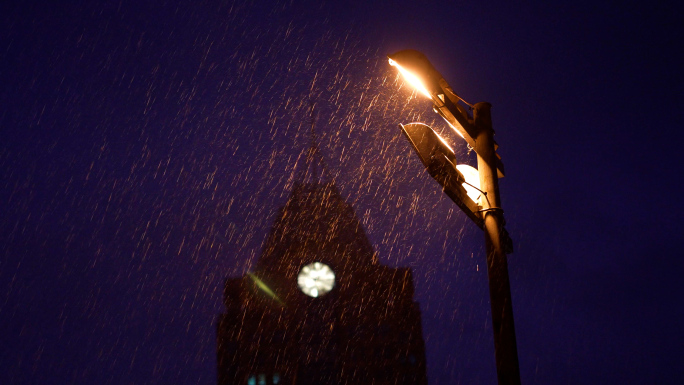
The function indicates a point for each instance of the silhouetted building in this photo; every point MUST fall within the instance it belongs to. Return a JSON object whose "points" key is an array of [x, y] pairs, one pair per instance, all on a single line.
{"points": [[318, 307]]}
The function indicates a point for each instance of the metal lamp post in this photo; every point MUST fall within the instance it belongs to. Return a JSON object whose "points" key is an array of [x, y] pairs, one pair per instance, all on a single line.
{"points": [[440, 161]]}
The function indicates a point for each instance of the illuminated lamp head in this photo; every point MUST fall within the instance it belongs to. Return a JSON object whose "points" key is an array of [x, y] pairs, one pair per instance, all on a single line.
{"points": [[472, 177], [417, 71]]}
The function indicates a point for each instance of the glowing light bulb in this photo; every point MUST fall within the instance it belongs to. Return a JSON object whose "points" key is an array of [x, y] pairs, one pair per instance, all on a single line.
{"points": [[472, 177], [411, 79]]}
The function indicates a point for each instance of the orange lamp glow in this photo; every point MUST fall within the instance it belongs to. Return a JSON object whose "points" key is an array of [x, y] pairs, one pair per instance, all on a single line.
{"points": [[472, 177], [411, 78]]}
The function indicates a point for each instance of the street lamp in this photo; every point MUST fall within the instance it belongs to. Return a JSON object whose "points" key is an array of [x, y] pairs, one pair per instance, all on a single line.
{"points": [[479, 201]]}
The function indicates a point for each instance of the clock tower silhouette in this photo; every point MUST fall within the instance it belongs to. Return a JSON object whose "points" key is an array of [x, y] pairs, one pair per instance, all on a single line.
{"points": [[318, 307]]}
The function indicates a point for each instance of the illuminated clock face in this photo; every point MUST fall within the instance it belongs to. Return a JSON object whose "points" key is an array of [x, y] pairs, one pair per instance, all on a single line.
{"points": [[316, 279]]}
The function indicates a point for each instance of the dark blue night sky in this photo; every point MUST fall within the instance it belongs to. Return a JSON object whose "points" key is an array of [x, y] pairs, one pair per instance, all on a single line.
{"points": [[146, 146]]}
